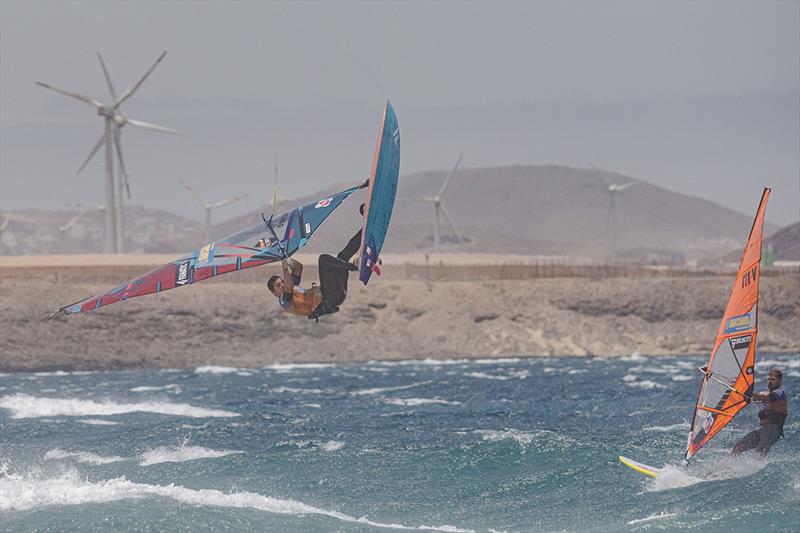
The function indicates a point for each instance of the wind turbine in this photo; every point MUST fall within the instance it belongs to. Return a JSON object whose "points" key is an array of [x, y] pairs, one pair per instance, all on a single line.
{"points": [[83, 210], [210, 207], [440, 209], [12, 242], [114, 120], [615, 189]]}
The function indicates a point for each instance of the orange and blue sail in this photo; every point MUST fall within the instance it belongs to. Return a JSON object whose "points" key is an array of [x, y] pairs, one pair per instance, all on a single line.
{"points": [[381, 194], [728, 377], [253, 246]]}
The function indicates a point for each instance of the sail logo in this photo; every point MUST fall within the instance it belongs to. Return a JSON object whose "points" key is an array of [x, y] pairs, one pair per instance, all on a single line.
{"points": [[204, 254], [323, 203], [396, 135], [308, 228], [740, 343], [737, 323], [708, 422], [182, 275], [749, 277]]}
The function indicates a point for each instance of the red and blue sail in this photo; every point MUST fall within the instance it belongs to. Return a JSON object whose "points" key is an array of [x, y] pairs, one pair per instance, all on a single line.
{"points": [[253, 246]]}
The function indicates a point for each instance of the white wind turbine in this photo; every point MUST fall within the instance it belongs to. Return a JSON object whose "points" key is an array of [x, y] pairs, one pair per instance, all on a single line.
{"points": [[114, 121], [12, 242], [440, 209], [83, 210], [614, 190], [210, 207]]}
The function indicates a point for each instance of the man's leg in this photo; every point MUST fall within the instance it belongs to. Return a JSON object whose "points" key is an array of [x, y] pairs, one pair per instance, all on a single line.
{"points": [[769, 436], [352, 247], [748, 442], [333, 275]]}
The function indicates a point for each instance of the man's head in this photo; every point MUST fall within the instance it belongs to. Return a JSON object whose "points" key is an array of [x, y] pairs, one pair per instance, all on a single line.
{"points": [[774, 379], [275, 285]]}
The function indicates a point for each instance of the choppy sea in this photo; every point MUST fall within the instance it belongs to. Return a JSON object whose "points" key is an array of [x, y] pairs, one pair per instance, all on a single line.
{"points": [[454, 445]]}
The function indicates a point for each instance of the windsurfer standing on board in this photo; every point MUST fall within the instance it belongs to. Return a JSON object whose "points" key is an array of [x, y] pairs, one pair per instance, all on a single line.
{"points": [[332, 290], [771, 416]]}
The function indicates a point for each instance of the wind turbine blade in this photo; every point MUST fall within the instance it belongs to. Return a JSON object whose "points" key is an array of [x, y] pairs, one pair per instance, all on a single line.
{"points": [[108, 78], [452, 224], [72, 221], [621, 188], [228, 201], [155, 127], [415, 199], [121, 160], [450, 176], [92, 153], [133, 89], [82, 98], [193, 192]]}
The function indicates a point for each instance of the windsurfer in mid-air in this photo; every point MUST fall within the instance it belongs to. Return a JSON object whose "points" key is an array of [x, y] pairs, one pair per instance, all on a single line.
{"points": [[771, 416], [319, 300]]}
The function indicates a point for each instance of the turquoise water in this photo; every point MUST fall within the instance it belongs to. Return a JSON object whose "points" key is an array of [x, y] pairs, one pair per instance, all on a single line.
{"points": [[487, 445]]}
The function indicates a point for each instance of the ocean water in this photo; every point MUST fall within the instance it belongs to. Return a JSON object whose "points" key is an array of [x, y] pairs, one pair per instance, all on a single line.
{"points": [[483, 445]]}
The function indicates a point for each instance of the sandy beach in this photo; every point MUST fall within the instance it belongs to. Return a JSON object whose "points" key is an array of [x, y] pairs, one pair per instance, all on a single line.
{"points": [[234, 321]]}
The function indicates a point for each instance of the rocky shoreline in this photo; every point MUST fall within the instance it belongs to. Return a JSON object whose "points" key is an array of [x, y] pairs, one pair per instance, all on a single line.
{"points": [[236, 322]]}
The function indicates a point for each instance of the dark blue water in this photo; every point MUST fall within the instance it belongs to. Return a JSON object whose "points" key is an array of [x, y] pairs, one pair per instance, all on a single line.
{"points": [[493, 445]]}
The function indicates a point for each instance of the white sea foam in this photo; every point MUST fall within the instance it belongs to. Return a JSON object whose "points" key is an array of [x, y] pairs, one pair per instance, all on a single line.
{"points": [[630, 377], [98, 422], [311, 405], [645, 384], [171, 386], [21, 493], [412, 402], [523, 438], [481, 375], [381, 390], [652, 517], [211, 369], [181, 454], [681, 377], [280, 390], [332, 445], [672, 477], [288, 367], [83, 457], [24, 406], [665, 429], [499, 360], [794, 362], [523, 374]]}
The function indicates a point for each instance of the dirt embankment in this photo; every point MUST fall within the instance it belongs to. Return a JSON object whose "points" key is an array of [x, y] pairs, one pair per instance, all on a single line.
{"points": [[236, 322]]}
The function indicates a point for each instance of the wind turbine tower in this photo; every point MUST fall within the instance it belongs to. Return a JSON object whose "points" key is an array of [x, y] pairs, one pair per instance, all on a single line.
{"points": [[210, 207], [615, 190], [440, 209], [114, 121]]}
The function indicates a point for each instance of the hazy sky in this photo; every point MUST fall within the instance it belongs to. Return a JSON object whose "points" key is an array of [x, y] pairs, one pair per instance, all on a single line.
{"points": [[699, 97]]}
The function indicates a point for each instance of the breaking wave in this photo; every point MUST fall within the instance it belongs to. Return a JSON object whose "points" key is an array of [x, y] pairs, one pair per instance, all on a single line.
{"points": [[412, 402], [83, 457], [24, 406], [181, 454], [21, 493], [381, 390]]}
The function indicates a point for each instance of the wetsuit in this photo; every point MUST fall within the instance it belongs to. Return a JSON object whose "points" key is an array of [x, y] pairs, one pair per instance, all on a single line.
{"points": [[332, 290], [771, 416]]}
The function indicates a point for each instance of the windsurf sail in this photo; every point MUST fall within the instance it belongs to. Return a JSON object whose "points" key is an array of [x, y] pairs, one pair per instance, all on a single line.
{"points": [[381, 193], [253, 246], [728, 377]]}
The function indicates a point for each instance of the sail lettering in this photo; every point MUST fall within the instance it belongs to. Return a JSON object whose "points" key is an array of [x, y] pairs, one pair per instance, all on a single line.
{"points": [[749, 277]]}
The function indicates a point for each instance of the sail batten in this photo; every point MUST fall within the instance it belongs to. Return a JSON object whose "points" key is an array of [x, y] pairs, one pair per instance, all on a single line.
{"points": [[728, 377]]}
